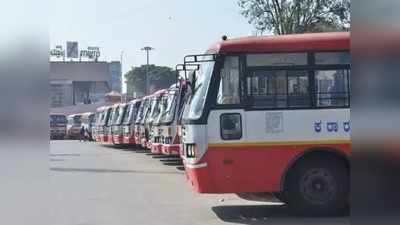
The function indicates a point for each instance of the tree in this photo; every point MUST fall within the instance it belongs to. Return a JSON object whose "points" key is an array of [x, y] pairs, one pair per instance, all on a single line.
{"points": [[159, 77], [297, 16]]}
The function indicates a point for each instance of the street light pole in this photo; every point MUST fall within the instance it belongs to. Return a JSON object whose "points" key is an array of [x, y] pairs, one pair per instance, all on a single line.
{"points": [[147, 49], [122, 74]]}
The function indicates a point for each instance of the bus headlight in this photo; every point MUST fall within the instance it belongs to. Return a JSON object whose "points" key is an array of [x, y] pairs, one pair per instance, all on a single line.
{"points": [[190, 150]]}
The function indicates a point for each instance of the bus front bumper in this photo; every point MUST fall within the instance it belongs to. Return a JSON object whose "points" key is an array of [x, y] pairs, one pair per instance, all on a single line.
{"points": [[199, 178], [118, 139], [130, 140], [156, 148], [170, 149]]}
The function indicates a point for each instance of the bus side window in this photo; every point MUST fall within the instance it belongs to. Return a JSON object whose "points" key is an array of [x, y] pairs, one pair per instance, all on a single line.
{"points": [[228, 92], [332, 87], [298, 89]]}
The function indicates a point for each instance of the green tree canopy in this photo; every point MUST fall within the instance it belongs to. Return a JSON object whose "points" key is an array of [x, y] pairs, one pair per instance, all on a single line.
{"points": [[296, 16], [159, 77]]}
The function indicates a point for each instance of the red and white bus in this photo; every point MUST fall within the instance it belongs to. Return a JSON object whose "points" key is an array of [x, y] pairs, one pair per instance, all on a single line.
{"points": [[128, 122], [102, 125], [116, 126], [140, 119], [166, 108], [110, 122], [271, 114], [152, 117], [171, 121]]}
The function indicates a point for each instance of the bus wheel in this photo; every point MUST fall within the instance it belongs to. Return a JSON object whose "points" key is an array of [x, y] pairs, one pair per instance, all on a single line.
{"points": [[318, 186]]}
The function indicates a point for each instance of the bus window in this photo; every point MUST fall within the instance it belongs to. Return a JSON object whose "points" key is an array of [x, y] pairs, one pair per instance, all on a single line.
{"points": [[229, 85], [279, 89], [332, 87], [231, 126], [298, 90], [329, 58], [268, 89], [276, 59]]}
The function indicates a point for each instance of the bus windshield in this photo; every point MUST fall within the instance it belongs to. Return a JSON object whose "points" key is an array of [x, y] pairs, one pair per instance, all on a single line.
{"points": [[128, 114], [108, 117], [115, 115], [162, 106], [146, 111], [58, 119], [120, 115], [141, 111], [75, 120], [197, 100], [154, 110], [168, 115]]}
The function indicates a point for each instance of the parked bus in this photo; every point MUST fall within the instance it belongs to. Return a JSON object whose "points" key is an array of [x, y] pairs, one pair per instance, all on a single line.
{"points": [[88, 122], [129, 122], [96, 121], [98, 129], [164, 106], [150, 102], [58, 126], [117, 127], [171, 120], [74, 123], [114, 113], [152, 116], [102, 129], [272, 115], [144, 105]]}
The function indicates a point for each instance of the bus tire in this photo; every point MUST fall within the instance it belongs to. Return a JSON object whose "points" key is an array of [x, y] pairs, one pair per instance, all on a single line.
{"points": [[318, 186]]}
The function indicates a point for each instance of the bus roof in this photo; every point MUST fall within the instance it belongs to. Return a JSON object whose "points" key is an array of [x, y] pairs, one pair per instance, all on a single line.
{"points": [[285, 43], [134, 101], [160, 92], [102, 108], [57, 114]]}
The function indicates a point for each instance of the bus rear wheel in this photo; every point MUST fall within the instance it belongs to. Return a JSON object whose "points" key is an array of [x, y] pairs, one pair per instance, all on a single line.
{"points": [[318, 186]]}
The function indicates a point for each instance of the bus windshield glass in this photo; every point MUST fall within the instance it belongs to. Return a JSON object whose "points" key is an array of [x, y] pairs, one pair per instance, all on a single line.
{"points": [[75, 120], [141, 111], [120, 115], [128, 114], [168, 115], [146, 111], [197, 100], [155, 110], [57, 119], [162, 106]]}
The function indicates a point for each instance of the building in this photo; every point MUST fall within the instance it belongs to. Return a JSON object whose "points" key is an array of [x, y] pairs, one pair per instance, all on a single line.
{"points": [[76, 83]]}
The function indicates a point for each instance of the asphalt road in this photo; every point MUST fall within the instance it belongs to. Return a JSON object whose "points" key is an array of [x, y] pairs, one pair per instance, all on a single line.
{"points": [[95, 184]]}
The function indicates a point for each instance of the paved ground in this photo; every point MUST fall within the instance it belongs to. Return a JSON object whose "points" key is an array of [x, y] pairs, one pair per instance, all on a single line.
{"points": [[103, 185]]}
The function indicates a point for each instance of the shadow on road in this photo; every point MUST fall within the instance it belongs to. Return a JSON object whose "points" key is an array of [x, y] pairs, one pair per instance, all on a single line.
{"points": [[181, 168], [96, 170], [158, 156], [177, 163], [171, 160], [64, 154], [120, 147], [151, 154], [140, 151], [263, 214]]}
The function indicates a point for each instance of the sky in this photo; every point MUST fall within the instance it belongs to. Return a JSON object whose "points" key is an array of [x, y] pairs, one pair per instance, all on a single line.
{"points": [[174, 28]]}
